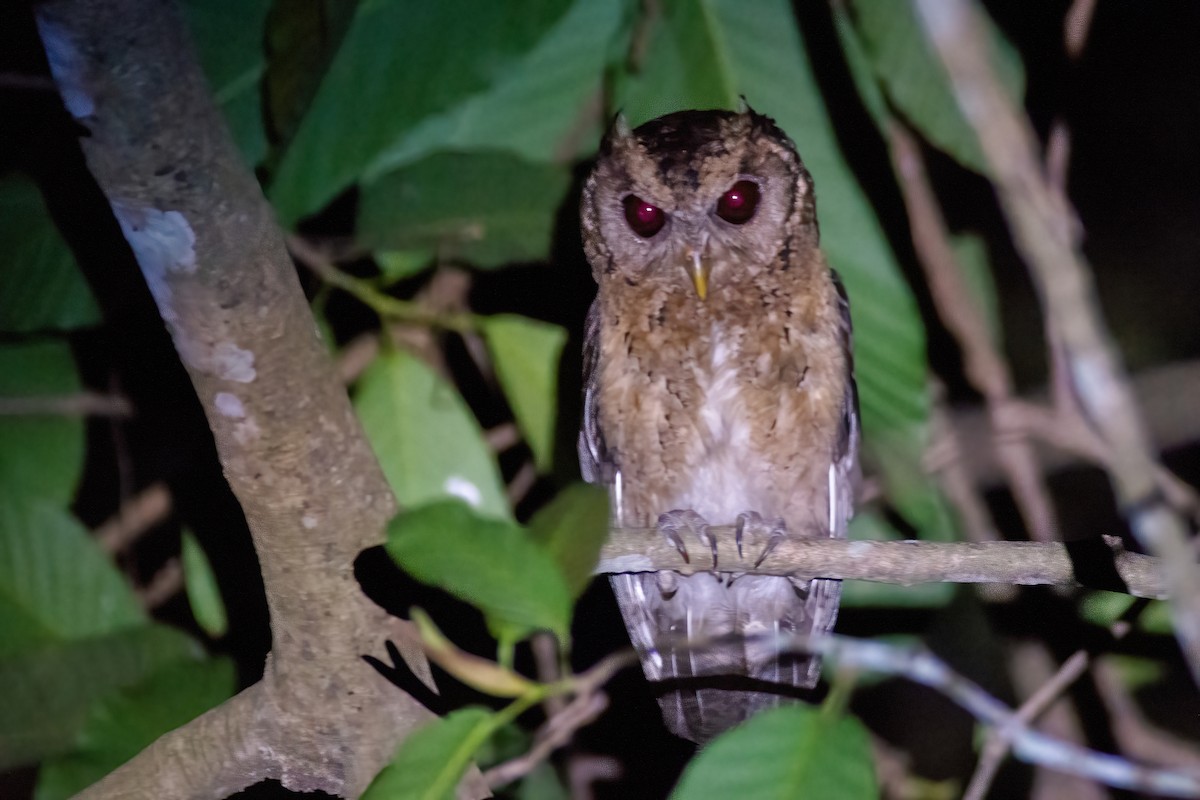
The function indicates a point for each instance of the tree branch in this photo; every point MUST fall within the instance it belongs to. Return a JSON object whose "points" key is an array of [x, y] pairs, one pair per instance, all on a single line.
{"points": [[905, 563], [1068, 295], [292, 450]]}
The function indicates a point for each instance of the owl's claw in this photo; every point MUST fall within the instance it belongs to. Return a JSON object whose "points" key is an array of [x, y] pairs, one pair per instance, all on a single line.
{"points": [[672, 522], [776, 531]]}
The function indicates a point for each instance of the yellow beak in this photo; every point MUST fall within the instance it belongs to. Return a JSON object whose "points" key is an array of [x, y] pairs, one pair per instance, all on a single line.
{"points": [[699, 268]]}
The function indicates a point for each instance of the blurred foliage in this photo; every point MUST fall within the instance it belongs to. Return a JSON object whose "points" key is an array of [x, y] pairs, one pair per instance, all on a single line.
{"points": [[458, 129]]}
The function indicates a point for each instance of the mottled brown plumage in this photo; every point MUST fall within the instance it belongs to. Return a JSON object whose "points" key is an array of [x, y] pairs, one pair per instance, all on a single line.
{"points": [[719, 385]]}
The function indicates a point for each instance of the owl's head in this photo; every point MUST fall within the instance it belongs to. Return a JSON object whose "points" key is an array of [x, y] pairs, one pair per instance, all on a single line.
{"points": [[697, 199]]}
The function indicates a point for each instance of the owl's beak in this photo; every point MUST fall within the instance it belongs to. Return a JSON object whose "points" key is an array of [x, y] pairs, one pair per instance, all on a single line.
{"points": [[698, 268]]}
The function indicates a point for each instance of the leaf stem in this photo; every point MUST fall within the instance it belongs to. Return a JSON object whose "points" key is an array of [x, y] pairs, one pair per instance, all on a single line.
{"points": [[386, 306]]}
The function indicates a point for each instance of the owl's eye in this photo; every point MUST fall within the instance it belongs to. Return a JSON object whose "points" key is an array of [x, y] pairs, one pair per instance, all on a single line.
{"points": [[739, 203], [645, 219]]}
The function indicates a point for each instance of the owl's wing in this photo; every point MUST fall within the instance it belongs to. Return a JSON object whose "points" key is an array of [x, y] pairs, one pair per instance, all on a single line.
{"points": [[595, 461], [845, 469]]}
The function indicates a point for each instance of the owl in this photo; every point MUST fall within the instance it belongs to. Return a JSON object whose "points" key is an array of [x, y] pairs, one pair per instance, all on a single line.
{"points": [[718, 390]]}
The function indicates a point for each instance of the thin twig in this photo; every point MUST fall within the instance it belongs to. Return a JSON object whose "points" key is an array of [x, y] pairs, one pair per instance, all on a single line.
{"points": [[502, 437], [1068, 295], [996, 746], [137, 515], [982, 360], [521, 483], [944, 459], [922, 667], [80, 404], [165, 584], [904, 562], [385, 305], [554, 733]]}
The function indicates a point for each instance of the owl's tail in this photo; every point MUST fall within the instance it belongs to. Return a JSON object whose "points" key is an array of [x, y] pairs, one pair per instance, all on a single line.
{"points": [[707, 690]]}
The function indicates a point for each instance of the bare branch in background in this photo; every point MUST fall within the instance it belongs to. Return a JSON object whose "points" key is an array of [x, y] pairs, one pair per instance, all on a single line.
{"points": [[1033, 658], [81, 404], [1068, 296], [905, 563], [944, 458], [984, 363], [920, 666], [136, 516]]}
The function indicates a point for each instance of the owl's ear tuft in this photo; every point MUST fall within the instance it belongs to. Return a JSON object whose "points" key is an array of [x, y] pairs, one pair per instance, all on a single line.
{"points": [[743, 107], [619, 135]]}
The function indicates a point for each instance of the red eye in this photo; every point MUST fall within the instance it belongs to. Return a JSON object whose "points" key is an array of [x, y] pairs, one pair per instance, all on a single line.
{"points": [[645, 219], [739, 203]]}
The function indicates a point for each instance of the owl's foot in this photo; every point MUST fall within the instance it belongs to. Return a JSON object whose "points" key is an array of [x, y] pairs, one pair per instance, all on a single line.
{"points": [[775, 531], [671, 523]]}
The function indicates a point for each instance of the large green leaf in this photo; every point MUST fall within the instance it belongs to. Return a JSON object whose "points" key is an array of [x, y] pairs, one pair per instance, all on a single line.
{"points": [[121, 724], [492, 564], [915, 81], [55, 583], [433, 758], [41, 286], [426, 439], [705, 53], [539, 110], [49, 688], [485, 208], [525, 353], [795, 751], [398, 64], [40, 455], [229, 37], [572, 528]]}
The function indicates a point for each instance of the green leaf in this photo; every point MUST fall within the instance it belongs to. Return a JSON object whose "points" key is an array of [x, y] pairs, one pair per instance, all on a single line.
{"points": [[871, 526], [55, 583], [525, 353], [426, 439], [204, 595], [126, 721], [398, 64], [49, 688], [229, 37], [396, 265], [492, 564], [572, 528], [535, 111], [40, 455], [794, 751], [917, 84], [542, 783], [1105, 608], [432, 759], [41, 286], [488, 209], [704, 54]]}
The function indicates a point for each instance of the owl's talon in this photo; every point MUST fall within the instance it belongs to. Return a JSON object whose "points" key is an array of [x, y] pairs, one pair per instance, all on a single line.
{"points": [[739, 530], [776, 532], [670, 523]]}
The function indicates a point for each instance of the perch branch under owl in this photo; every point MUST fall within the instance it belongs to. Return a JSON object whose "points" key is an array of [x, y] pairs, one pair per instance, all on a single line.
{"points": [[903, 562]]}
